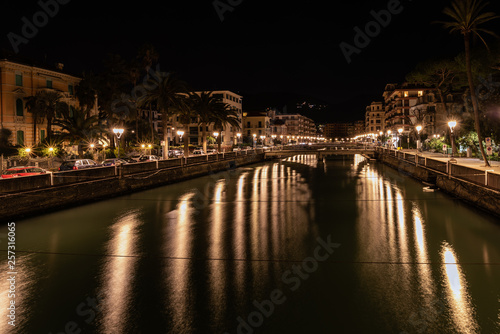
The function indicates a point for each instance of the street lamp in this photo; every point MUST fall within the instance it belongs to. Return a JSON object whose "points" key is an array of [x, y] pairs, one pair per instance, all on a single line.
{"points": [[452, 125], [400, 131], [419, 128], [118, 133], [149, 147], [238, 136]]}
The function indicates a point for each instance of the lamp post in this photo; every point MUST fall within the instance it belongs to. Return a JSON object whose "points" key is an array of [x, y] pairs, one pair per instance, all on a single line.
{"points": [[216, 135], [238, 136], [118, 133], [389, 135], [149, 147], [254, 140], [400, 131], [180, 133], [452, 125], [419, 128]]}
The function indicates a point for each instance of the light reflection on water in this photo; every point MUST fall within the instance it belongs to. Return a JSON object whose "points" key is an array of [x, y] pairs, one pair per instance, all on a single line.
{"points": [[118, 272], [459, 299]]}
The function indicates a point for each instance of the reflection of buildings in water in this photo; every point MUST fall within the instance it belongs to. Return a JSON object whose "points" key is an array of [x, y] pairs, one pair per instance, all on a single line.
{"points": [[118, 272], [460, 302]]}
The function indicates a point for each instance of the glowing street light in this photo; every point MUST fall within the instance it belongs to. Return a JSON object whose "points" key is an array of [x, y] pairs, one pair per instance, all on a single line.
{"points": [[452, 125], [118, 133], [419, 128]]}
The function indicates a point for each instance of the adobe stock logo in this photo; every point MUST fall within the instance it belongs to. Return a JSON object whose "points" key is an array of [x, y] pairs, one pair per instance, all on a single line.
{"points": [[29, 30], [372, 29]]}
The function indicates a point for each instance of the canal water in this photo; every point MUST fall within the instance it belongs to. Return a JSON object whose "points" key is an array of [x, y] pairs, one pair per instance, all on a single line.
{"points": [[292, 246]]}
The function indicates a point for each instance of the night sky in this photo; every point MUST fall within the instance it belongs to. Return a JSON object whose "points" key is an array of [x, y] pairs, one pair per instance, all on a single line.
{"points": [[259, 47]]}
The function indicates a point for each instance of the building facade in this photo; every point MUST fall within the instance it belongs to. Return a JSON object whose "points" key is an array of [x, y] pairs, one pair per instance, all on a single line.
{"points": [[19, 81], [375, 118]]}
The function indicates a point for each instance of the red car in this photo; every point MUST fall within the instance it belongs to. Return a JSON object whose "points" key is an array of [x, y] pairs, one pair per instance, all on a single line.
{"points": [[22, 171]]}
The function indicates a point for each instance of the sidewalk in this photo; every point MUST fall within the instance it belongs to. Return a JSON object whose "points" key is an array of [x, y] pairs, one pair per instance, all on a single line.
{"points": [[467, 162]]}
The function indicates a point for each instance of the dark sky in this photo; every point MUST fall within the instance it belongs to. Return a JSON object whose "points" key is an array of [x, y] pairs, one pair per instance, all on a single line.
{"points": [[260, 46]]}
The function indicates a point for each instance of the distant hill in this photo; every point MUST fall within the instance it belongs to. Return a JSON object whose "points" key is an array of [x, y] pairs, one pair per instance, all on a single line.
{"points": [[318, 110]]}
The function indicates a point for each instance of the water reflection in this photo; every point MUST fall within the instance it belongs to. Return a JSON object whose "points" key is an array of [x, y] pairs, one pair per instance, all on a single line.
{"points": [[179, 232], [119, 272], [462, 311]]}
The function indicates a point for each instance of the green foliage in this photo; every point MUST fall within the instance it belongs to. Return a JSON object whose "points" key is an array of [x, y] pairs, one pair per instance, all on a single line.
{"points": [[469, 140], [436, 144]]}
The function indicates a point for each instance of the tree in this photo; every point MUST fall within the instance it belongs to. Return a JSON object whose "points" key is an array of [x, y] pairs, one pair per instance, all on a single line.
{"points": [[35, 108], [185, 111], [224, 116], [205, 105], [467, 17], [78, 128], [166, 96], [50, 102]]}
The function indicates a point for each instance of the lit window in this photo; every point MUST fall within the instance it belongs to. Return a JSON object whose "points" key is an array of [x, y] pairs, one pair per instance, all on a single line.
{"points": [[405, 94], [420, 93]]}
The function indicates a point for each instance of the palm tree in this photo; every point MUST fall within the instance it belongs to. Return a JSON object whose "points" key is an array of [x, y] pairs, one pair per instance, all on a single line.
{"points": [[205, 105], [223, 116], [166, 96], [467, 16], [185, 111], [79, 128], [34, 107], [49, 103]]}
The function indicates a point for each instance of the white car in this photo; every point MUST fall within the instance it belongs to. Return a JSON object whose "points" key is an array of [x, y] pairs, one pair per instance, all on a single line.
{"points": [[198, 152]]}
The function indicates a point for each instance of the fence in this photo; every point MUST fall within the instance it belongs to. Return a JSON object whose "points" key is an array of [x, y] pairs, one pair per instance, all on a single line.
{"points": [[489, 179]]}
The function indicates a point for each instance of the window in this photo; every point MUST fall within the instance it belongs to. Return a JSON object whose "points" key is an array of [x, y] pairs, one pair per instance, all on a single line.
{"points": [[248, 125], [19, 79], [260, 124], [19, 107], [70, 90], [420, 93], [42, 135], [405, 94], [49, 83], [20, 138]]}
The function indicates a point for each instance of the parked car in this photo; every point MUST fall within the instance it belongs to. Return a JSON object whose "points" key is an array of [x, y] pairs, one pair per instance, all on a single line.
{"points": [[22, 171], [135, 157], [75, 164], [211, 151], [129, 160], [175, 153], [114, 162], [198, 152], [145, 158]]}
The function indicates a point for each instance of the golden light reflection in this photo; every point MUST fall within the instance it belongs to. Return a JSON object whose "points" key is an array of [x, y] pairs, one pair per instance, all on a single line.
{"points": [[462, 312], [180, 228], [425, 279], [118, 272]]}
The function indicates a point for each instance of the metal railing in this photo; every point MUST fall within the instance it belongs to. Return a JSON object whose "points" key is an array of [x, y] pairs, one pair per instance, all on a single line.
{"points": [[481, 177]]}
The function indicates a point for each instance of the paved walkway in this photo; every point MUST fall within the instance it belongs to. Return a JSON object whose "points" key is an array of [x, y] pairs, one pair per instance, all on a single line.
{"points": [[468, 162]]}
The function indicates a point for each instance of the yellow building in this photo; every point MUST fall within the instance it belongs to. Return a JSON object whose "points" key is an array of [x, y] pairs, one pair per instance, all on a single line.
{"points": [[18, 81]]}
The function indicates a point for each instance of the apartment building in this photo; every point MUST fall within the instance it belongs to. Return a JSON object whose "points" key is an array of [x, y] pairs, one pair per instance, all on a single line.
{"points": [[398, 100], [19, 81], [375, 118]]}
